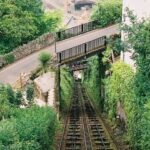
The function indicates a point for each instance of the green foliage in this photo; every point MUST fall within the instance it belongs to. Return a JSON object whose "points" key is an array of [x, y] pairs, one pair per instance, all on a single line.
{"points": [[44, 59], [30, 93], [106, 55], [8, 137], [9, 58], [119, 88], [10, 97], [114, 46], [52, 20], [18, 98], [107, 12], [145, 143], [33, 128], [92, 79], [10, 94], [66, 88], [138, 39], [23, 21], [4, 103]]}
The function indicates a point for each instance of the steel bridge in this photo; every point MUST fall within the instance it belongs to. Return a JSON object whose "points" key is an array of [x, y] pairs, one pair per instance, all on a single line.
{"points": [[84, 40]]}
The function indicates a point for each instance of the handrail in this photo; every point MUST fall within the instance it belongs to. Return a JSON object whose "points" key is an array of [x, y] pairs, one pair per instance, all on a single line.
{"points": [[81, 49], [76, 30]]}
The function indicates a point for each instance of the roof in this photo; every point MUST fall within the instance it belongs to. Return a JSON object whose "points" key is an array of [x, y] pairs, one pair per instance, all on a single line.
{"points": [[81, 2]]}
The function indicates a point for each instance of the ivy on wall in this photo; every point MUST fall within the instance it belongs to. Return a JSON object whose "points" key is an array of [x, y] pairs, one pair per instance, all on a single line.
{"points": [[66, 84]]}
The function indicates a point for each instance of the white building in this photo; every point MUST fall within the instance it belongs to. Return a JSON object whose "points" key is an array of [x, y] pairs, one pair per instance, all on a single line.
{"points": [[141, 9]]}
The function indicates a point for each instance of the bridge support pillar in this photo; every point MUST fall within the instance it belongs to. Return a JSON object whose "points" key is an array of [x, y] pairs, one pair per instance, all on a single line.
{"points": [[101, 76], [58, 91]]}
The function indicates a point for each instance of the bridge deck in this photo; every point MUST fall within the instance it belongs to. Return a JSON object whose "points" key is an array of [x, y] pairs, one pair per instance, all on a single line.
{"points": [[86, 37]]}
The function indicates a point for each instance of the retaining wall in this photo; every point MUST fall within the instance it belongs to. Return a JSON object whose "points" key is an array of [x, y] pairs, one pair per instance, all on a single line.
{"points": [[27, 49]]}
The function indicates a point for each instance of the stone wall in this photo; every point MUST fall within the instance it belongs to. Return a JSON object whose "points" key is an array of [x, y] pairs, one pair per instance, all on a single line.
{"points": [[29, 48]]}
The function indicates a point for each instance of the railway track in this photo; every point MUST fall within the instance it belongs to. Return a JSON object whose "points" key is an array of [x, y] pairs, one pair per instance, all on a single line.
{"points": [[83, 129]]}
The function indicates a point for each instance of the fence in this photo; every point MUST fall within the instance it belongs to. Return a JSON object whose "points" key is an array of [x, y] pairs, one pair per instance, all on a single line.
{"points": [[82, 49], [77, 30]]}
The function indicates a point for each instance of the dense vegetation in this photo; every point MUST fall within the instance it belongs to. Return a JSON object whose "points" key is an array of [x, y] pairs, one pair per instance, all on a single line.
{"points": [[138, 39], [130, 89], [107, 12], [91, 79], [23, 21], [66, 88], [119, 90], [31, 128]]}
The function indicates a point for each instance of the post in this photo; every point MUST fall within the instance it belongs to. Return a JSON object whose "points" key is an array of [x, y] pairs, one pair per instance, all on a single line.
{"points": [[58, 35], [59, 91], [105, 42], [82, 28], [55, 41], [101, 76], [85, 48]]}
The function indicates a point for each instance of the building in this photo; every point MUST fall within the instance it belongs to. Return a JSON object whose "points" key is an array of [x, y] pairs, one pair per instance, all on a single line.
{"points": [[141, 8], [79, 4]]}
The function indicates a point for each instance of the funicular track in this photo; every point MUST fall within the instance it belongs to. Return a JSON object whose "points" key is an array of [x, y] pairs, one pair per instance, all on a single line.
{"points": [[83, 129]]}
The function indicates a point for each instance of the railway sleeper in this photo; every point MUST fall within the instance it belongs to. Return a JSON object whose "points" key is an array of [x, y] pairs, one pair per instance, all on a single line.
{"points": [[95, 134], [101, 143], [96, 127], [73, 143], [76, 141], [73, 134], [104, 148], [74, 127], [76, 148], [74, 130], [100, 138], [74, 138], [97, 130]]}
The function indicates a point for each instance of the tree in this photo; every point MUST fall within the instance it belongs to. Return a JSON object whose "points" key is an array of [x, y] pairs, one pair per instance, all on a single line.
{"points": [[107, 12], [30, 93], [52, 21], [44, 59], [16, 26], [19, 98], [23, 21], [10, 94]]}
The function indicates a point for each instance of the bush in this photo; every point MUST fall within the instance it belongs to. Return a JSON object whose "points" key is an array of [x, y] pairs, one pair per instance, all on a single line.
{"points": [[44, 59], [29, 129], [9, 58]]}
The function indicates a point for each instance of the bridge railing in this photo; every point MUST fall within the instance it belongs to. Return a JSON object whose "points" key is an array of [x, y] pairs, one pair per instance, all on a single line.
{"points": [[81, 50], [77, 30]]}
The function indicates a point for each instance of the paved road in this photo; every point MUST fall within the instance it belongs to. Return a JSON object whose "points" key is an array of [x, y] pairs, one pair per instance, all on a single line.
{"points": [[11, 73]]}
